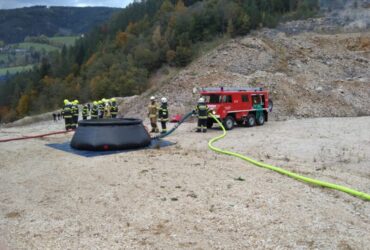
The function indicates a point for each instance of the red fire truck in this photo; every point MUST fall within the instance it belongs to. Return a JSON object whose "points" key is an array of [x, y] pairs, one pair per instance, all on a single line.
{"points": [[238, 105]]}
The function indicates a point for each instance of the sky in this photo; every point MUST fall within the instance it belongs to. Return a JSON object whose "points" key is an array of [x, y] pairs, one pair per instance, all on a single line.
{"points": [[11, 4]]}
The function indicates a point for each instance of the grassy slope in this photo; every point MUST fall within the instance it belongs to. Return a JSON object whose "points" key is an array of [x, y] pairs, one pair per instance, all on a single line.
{"points": [[37, 46], [3, 57], [13, 70], [59, 40], [67, 40]]}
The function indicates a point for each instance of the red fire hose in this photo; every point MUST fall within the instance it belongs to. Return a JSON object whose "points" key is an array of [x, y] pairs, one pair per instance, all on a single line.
{"points": [[35, 136]]}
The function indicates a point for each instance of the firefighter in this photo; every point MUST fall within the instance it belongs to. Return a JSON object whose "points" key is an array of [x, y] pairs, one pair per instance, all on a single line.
{"points": [[106, 104], [257, 105], [113, 108], [95, 111], [101, 109], [163, 115], [202, 112], [67, 114], [85, 112], [153, 114], [75, 113]]}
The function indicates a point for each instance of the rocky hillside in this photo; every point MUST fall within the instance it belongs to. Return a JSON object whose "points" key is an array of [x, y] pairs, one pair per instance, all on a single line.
{"points": [[314, 68]]}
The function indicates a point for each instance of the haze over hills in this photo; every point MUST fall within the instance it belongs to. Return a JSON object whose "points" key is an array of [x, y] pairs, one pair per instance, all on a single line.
{"points": [[16, 24]]}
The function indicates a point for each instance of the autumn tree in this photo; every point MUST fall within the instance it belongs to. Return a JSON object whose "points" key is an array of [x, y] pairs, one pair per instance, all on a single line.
{"points": [[170, 56], [166, 7], [157, 37], [180, 6], [183, 56], [121, 39], [23, 105]]}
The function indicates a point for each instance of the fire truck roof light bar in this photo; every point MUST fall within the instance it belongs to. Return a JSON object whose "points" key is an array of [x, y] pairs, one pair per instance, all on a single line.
{"points": [[215, 89]]}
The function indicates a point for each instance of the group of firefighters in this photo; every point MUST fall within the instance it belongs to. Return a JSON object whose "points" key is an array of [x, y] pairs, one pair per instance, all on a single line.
{"points": [[160, 113], [105, 108], [108, 108]]}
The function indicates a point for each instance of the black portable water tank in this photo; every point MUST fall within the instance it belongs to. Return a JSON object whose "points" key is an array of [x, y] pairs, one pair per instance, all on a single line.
{"points": [[110, 134]]}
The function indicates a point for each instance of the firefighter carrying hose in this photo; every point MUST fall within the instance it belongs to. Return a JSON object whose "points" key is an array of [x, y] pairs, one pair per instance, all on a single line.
{"points": [[163, 115], [67, 114], [202, 112], [153, 115], [113, 108], [95, 111]]}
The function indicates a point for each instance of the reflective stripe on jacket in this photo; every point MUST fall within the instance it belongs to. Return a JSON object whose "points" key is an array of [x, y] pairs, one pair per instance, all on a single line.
{"points": [[163, 113], [67, 112], [85, 111], [202, 110], [75, 110], [94, 112], [114, 110]]}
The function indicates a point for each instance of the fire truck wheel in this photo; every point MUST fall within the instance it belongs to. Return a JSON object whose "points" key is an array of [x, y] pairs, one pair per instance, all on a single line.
{"points": [[261, 120], [209, 123], [251, 120], [228, 123]]}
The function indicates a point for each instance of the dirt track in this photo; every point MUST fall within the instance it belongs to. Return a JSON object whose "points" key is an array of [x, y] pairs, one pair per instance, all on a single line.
{"points": [[186, 196]]}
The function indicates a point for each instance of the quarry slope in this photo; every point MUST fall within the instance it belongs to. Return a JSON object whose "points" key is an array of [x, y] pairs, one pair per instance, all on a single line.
{"points": [[314, 68]]}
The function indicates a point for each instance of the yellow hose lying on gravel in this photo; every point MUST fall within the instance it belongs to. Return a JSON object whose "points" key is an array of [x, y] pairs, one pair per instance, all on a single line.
{"points": [[353, 192]]}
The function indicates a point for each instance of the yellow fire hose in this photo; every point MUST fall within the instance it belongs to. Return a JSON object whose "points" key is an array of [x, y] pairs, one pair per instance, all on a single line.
{"points": [[350, 191]]}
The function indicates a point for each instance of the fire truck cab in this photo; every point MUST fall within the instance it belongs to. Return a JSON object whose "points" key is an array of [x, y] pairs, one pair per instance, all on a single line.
{"points": [[238, 105]]}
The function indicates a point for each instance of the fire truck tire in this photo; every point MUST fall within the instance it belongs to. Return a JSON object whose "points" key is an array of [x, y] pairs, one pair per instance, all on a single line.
{"points": [[229, 123], [209, 123], [261, 120], [251, 120]]}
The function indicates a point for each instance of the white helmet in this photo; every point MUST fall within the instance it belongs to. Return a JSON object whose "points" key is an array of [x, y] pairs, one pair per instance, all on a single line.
{"points": [[201, 100], [164, 100], [152, 98]]}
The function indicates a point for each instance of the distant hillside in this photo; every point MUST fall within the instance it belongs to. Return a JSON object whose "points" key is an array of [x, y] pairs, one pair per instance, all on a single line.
{"points": [[118, 58], [20, 57], [16, 24]]}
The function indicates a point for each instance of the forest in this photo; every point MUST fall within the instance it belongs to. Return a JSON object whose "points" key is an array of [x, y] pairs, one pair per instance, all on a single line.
{"points": [[118, 57], [17, 24]]}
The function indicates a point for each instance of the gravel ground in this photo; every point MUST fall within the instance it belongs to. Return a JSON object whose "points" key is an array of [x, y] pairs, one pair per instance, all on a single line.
{"points": [[187, 196]]}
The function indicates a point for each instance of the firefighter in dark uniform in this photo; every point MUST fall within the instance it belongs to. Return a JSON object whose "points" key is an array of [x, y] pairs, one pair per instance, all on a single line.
{"points": [[163, 115], [95, 111], [85, 112], [67, 114], [202, 112], [113, 108], [75, 114], [153, 114], [101, 109]]}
